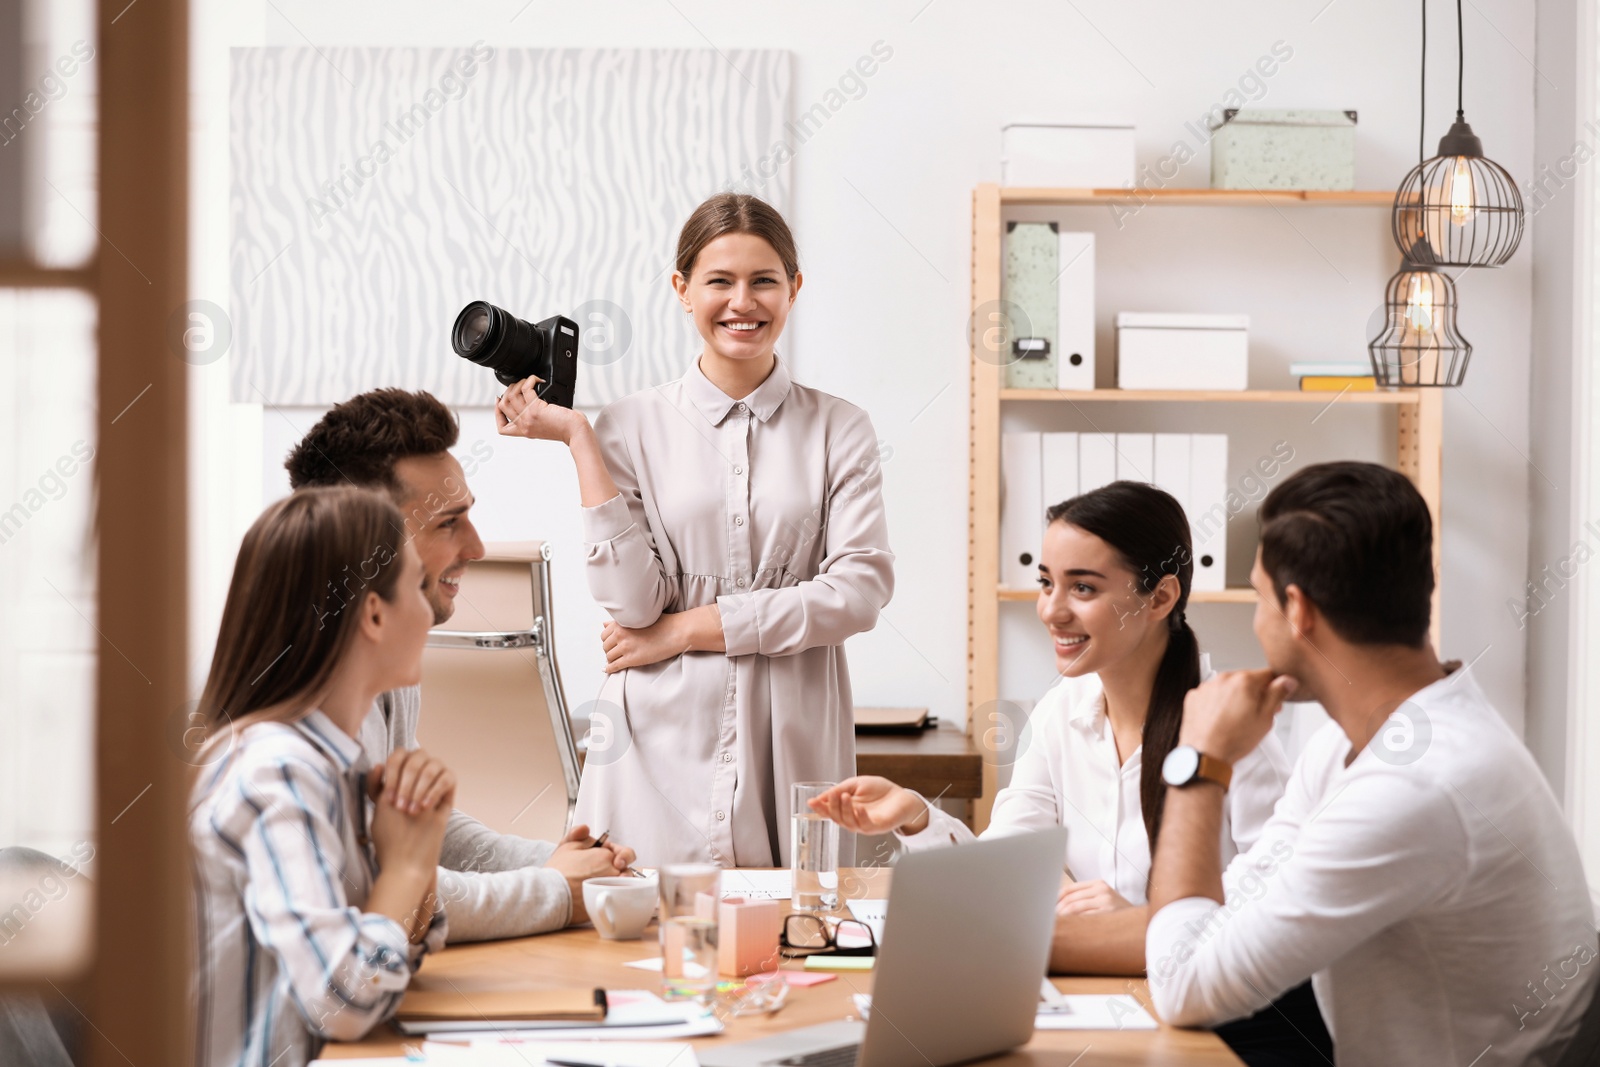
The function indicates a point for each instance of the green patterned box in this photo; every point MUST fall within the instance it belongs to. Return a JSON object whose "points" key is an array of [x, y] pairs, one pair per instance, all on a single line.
{"points": [[1263, 149], [1033, 254]]}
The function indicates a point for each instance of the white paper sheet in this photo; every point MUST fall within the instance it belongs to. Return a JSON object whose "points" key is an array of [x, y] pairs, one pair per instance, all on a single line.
{"points": [[521, 1054], [1096, 1011], [871, 912], [703, 1026], [758, 885], [1076, 1011]]}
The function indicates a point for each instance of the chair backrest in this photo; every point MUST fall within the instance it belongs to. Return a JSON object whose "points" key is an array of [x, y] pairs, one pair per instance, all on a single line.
{"points": [[492, 705]]}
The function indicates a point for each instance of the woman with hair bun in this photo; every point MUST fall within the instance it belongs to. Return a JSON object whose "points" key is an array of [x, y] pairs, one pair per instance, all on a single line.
{"points": [[735, 533]]}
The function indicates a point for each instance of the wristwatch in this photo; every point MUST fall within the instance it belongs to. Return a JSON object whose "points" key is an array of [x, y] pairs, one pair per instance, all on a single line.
{"points": [[1186, 765]]}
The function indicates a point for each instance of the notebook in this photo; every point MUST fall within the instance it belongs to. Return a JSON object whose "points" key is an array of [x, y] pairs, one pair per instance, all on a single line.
{"points": [[435, 1010], [890, 720]]}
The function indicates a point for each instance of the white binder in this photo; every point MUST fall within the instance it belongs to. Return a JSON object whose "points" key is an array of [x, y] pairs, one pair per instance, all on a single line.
{"points": [[1208, 513], [1097, 461], [1136, 457], [1021, 509], [1075, 313], [1172, 472], [1060, 466]]}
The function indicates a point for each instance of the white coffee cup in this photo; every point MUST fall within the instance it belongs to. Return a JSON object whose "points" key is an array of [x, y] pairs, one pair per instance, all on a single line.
{"points": [[620, 908]]}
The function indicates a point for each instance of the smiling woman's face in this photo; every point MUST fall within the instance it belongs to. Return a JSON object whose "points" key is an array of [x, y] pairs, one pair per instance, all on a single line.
{"points": [[1089, 601], [739, 296]]}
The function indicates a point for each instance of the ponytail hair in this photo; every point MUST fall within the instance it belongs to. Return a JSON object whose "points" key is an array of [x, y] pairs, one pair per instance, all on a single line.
{"points": [[1148, 529]]}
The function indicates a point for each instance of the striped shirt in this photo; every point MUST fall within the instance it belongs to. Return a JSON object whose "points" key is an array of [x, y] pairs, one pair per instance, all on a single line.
{"points": [[287, 958]]}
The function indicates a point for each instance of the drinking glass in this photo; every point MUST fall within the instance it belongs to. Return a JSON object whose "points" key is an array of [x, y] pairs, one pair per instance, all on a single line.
{"points": [[689, 896], [813, 851]]}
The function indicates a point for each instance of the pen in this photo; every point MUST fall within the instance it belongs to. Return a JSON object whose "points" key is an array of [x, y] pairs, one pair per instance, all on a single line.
{"points": [[634, 871]]}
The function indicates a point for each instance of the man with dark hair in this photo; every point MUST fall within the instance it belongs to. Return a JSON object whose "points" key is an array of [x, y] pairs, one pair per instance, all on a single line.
{"points": [[494, 885], [1418, 868]]}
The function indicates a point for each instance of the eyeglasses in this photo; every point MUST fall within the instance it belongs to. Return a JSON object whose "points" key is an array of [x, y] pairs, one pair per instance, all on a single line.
{"points": [[815, 935]]}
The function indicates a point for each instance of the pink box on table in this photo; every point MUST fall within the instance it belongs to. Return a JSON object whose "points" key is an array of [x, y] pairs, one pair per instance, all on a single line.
{"points": [[747, 936]]}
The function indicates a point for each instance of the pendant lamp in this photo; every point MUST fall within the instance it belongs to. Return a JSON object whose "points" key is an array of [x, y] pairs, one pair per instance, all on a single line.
{"points": [[1460, 208], [1420, 344]]}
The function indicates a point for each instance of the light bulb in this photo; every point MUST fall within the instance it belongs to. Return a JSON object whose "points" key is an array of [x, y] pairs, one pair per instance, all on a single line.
{"points": [[1419, 306], [1461, 200], [1419, 341]]}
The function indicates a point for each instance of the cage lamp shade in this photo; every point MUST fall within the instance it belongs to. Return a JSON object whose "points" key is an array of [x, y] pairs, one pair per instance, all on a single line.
{"points": [[1458, 209], [1420, 344]]}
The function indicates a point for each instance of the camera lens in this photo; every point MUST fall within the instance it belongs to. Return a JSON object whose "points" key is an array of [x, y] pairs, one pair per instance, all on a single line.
{"points": [[496, 339], [473, 330]]}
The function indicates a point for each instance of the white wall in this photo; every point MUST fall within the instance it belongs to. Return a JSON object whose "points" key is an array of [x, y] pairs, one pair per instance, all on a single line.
{"points": [[882, 212], [1552, 380]]}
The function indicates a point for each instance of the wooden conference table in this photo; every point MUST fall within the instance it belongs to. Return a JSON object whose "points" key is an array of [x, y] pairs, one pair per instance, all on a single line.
{"points": [[579, 957]]}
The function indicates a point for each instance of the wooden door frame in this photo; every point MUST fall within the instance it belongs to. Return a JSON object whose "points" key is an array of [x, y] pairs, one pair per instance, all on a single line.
{"points": [[139, 989]]}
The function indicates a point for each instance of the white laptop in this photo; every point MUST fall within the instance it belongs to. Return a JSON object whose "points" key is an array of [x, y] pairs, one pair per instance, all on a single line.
{"points": [[966, 943]]}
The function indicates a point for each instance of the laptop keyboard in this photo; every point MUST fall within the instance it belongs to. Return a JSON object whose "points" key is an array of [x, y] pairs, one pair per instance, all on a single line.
{"points": [[843, 1056]]}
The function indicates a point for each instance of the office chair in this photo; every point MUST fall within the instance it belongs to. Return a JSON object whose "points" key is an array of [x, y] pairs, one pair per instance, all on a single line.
{"points": [[493, 707]]}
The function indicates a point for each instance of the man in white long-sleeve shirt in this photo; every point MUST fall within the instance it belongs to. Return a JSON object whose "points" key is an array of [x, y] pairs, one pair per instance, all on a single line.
{"points": [[1418, 867], [493, 885]]}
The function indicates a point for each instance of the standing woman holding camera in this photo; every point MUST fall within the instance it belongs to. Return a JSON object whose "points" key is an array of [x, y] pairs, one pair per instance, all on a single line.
{"points": [[735, 533]]}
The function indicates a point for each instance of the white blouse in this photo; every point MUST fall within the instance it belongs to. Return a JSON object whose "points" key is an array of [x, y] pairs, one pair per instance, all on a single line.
{"points": [[1067, 774], [770, 508]]}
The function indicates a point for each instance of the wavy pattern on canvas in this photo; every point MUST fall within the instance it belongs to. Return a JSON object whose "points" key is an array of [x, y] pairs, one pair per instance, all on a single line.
{"points": [[376, 191]]}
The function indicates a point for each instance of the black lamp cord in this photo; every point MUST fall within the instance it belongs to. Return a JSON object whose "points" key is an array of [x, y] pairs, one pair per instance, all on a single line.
{"points": [[1422, 116], [1461, 65]]}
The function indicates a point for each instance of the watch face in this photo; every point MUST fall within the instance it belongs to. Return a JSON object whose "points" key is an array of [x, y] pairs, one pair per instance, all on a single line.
{"points": [[1181, 765]]}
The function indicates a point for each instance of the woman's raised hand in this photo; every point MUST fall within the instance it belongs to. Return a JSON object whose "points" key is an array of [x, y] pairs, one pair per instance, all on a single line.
{"points": [[868, 804], [521, 412]]}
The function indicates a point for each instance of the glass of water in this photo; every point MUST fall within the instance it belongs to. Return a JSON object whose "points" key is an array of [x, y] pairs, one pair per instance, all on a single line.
{"points": [[690, 893], [813, 851]]}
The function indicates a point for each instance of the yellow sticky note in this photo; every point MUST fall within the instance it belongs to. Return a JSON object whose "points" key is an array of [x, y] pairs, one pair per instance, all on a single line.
{"points": [[839, 963]]}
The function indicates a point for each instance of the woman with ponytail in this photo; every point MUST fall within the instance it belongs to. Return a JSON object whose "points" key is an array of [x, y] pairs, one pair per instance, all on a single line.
{"points": [[1114, 579]]}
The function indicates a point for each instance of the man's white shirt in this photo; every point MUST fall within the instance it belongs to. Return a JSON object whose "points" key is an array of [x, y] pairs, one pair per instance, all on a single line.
{"points": [[1431, 887]]}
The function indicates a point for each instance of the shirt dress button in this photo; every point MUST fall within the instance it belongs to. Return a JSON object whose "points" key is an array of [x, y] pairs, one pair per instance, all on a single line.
{"points": [[739, 583], [738, 520], [727, 757], [721, 815], [738, 470], [743, 408]]}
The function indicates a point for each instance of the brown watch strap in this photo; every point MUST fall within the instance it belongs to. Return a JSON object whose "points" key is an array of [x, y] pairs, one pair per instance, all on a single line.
{"points": [[1215, 770]]}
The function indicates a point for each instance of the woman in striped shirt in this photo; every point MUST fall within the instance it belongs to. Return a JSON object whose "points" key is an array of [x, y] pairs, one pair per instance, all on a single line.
{"points": [[314, 873]]}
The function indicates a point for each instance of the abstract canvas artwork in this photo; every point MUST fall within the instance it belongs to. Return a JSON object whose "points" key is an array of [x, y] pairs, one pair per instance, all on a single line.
{"points": [[376, 191]]}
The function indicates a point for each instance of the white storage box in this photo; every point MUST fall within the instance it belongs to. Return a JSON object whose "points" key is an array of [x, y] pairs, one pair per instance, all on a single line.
{"points": [[1161, 351], [1264, 149], [1067, 156]]}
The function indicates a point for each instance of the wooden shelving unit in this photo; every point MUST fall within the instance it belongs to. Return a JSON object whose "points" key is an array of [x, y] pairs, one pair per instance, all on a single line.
{"points": [[1418, 412], [1197, 197]]}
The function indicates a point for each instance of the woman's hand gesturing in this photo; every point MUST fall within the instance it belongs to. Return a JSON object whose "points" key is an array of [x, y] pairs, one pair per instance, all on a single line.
{"points": [[520, 412], [868, 804]]}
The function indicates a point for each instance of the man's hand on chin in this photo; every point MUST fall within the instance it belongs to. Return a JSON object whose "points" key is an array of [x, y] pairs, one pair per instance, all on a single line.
{"points": [[1227, 717]]}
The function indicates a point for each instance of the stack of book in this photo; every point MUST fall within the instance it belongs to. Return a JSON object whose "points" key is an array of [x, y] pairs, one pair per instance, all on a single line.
{"points": [[1334, 377]]}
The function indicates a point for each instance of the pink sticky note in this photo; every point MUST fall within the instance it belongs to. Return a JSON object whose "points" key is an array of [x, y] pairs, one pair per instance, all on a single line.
{"points": [[796, 978]]}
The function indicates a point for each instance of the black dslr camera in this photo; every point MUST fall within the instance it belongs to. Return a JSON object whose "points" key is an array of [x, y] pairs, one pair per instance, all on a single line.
{"points": [[514, 350]]}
